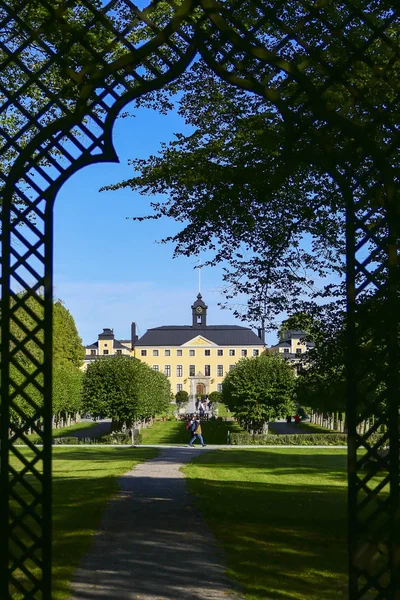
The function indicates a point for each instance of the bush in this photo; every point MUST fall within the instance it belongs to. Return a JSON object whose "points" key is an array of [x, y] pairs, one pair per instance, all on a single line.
{"points": [[70, 440], [313, 439], [121, 438]]}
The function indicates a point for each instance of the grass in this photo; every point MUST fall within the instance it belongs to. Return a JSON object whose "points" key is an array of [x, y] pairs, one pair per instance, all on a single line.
{"points": [[280, 516], [312, 428], [222, 412], [83, 482], [66, 431], [175, 432]]}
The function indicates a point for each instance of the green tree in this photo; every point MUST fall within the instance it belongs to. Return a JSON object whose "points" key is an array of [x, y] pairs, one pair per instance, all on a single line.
{"points": [[67, 389], [181, 398], [68, 355], [215, 397], [126, 390], [67, 344], [249, 188], [259, 390]]}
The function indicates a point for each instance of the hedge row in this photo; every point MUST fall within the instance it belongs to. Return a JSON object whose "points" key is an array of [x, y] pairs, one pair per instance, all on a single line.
{"points": [[312, 439], [119, 438]]}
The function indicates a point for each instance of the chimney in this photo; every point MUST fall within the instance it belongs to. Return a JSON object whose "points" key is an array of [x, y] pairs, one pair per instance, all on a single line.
{"points": [[134, 337]]}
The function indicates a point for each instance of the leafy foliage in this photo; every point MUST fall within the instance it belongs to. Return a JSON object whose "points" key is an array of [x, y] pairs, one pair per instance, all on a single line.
{"points": [[68, 353], [259, 390], [181, 397], [125, 390]]}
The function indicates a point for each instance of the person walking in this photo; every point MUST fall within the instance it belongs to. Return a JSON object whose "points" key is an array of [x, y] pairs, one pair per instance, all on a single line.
{"points": [[190, 426], [197, 434]]}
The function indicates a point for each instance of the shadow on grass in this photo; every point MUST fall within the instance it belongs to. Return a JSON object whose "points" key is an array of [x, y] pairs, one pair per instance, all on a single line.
{"points": [[175, 432]]}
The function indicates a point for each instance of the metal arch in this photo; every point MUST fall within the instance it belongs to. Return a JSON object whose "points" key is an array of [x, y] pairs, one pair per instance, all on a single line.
{"points": [[281, 51]]}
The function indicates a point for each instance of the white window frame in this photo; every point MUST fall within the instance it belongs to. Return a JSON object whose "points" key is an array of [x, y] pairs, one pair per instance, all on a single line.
{"points": [[156, 367], [179, 353], [167, 352], [156, 353], [179, 370], [192, 352], [194, 370], [143, 353], [243, 352], [207, 367], [220, 370], [220, 352], [256, 352], [167, 370], [232, 352]]}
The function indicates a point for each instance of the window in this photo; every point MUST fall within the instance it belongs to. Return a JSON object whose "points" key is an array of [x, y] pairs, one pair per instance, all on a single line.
{"points": [[219, 387], [119, 352], [155, 368], [167, 352], [220, 352], [155, 352], [192, 370], [220, 370], [179, 387], [179, 370], [167, 370], [192, 352], [207, 352], [93, 352], [286, 350], [231, 367], [298, 350], [244, 352], [143, 353], [256, 352], [105, 345], [105, 351], [231, 352], [179, 352], [207, 370]]}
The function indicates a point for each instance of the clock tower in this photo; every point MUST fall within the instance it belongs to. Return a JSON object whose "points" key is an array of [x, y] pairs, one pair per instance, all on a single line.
{"points": [[199, 313]]}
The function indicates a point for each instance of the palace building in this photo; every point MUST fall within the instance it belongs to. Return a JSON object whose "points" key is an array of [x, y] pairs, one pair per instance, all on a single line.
{"points": [[196, 357]]}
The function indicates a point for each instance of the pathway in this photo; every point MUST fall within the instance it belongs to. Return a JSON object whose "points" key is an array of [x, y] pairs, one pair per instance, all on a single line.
{"points": [[102, 428], [281, 427], [152, 543]]}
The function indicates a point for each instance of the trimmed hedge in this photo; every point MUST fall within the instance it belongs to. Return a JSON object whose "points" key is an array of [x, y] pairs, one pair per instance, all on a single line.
{"points": [[116, 438], [293, 439]]}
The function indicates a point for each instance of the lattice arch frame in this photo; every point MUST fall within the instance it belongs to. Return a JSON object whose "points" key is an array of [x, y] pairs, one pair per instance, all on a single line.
{"points": [[116, 53]]}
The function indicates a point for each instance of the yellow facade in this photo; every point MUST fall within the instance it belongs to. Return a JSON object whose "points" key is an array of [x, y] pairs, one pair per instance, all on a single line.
{"points": [[199, 365]]}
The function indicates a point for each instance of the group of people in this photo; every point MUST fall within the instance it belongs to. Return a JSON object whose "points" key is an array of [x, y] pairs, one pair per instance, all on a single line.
{"points": [[203, 406], [193, 426]]}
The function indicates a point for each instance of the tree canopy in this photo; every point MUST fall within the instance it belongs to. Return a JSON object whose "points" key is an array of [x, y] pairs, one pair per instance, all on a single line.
{"points": [[257, 184], [125, 390], [259, 390]]}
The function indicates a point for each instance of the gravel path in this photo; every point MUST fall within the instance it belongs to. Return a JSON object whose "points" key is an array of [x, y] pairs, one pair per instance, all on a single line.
{"points": [[152, 544], [102, 428], [282, 428]]}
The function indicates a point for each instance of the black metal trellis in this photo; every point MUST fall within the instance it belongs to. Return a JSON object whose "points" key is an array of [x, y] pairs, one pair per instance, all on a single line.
{"points": [[331, 70]]}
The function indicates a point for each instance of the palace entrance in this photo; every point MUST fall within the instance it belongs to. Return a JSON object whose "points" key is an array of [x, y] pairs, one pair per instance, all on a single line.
{"points": [[200, 389]]}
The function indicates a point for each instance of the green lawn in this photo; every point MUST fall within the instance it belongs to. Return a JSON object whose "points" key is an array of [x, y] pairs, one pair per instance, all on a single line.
{"points": [[222, 412], [312, 428], [280, 514], [84, 480], [174, 432], [66, 431]]}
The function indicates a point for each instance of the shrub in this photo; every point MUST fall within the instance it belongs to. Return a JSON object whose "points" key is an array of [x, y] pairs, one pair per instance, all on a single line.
{"points": [[313, 439]]}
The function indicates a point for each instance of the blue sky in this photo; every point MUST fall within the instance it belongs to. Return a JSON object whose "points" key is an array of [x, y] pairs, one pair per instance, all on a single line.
{"points": [[110, 271]]}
